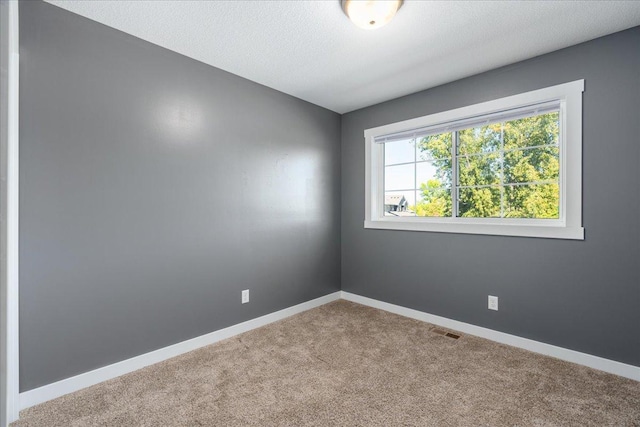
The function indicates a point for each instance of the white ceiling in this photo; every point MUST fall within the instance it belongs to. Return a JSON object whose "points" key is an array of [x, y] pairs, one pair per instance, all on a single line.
{"points": [[310, 50]]}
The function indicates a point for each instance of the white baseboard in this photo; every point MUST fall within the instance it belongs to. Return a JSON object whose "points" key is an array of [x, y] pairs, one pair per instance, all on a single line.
{"points": [[78, 382], [87, 379], [611, 366]]}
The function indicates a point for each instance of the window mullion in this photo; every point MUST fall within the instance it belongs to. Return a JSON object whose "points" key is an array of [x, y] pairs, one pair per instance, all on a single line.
{"points": [[383, 183], [501, 170], [415, 174], [454, 175]]}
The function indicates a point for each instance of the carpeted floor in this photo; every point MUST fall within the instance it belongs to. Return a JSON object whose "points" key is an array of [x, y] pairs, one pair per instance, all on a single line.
{"points": [[344, 364]]}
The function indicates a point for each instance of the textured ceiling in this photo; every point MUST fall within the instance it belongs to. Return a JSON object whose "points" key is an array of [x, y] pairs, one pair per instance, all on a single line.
{"points": [[310, 50]]}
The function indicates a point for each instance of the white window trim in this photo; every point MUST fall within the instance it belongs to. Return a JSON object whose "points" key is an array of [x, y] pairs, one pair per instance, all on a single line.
{"points": [[568, 226]]}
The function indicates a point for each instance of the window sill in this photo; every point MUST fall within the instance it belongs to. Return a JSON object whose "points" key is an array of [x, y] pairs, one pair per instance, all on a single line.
{"points": [[540, 231]]}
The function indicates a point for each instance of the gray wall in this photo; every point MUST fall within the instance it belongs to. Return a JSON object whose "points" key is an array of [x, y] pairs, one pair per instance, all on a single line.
{"points": [[154, 189], [582, 295]]}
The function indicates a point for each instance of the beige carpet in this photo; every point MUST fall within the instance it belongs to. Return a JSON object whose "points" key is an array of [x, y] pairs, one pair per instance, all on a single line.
{"points": [[344, 364]]}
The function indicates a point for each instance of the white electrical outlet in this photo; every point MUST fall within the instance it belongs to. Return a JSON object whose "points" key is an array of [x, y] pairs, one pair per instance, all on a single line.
{"points": [[493, 303], [245, 296]]}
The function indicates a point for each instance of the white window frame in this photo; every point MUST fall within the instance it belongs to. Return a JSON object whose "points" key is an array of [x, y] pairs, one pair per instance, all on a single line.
{"points": [[567, 226]]}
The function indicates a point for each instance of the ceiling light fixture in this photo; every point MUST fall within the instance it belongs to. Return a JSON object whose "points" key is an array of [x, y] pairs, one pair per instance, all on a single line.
{"points": [[371, 14]]}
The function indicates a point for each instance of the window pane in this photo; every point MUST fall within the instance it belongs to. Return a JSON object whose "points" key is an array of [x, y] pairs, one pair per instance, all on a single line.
{"points": [[532, 201], [479, 202], [532, 131], [400, 177], [399, 152], [433, 201], [481, 169], [435, 146], [532, 165], [396, 203], [483, 139], [427, 172]]}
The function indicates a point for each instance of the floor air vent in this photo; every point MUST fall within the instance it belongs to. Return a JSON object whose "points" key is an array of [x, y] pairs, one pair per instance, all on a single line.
{"points": [[445, 333]]}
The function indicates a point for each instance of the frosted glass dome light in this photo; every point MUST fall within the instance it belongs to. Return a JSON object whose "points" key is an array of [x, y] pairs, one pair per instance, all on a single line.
{"points": [[371, 14]]}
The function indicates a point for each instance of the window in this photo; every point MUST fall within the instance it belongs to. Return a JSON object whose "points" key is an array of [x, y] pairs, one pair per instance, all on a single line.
{"points": [[511, 166]]}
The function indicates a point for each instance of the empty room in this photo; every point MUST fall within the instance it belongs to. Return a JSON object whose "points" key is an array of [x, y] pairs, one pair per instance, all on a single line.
{"points": [[320, 213]]}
